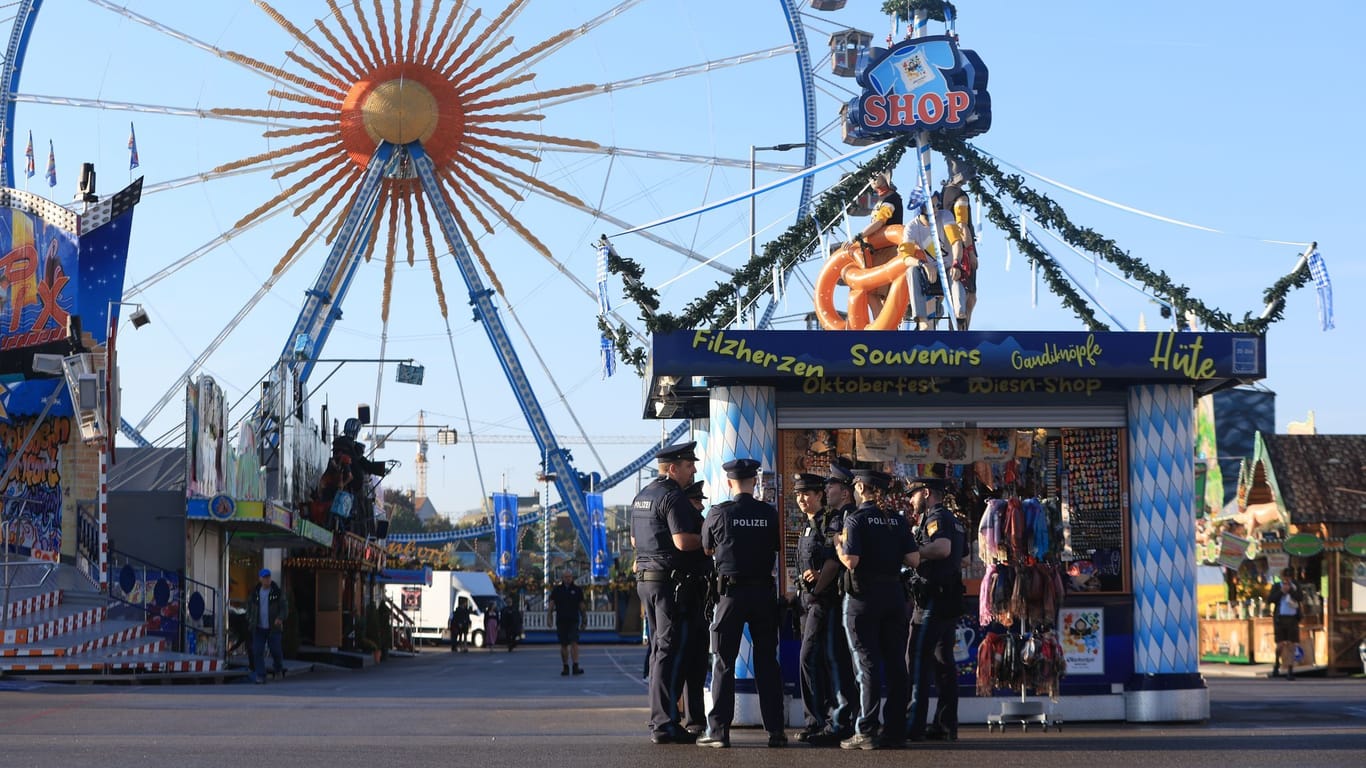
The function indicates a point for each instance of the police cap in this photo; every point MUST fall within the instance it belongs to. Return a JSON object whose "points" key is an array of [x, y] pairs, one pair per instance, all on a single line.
{"points": [[741, 469], [872, 477], [677, 452], [694, 491], [935, 478], [840, 474], [807, 482]]}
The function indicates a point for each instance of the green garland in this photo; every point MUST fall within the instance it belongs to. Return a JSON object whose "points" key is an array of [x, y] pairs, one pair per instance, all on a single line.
{"points": [[1052, 273], [716, 307], [1051, 215], [903, 9]]}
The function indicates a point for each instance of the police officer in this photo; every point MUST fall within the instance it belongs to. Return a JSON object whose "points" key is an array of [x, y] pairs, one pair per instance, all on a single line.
{"points": [[874, 545], [938, 591], [839, 501], [743, 535], [667, 533]]}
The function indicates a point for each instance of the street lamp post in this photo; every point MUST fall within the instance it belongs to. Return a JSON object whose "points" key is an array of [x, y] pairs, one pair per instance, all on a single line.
{"points": [[753, 183], [110, 407]]}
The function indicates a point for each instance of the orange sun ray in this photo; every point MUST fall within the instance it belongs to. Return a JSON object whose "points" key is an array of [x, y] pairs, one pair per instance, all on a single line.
{"points": [[347, 170], [316, 157], [309, 229], [431, 253], [273, 113], [284, 195], [439, 44], [307, 41], [411, 47], [459, 41], [391, 241], [470, 97], [351, 37], [383, 34], [274, 154], [495, 27], [356, 67], [503, 150], [282, 74], [420, 52], [562, 141], [312, 101], [369, 35], [458, 78], [522, 175], [408, 222], [301, 131], [525, 97], [535, 49], [459, 189], [516, 226], [388, 283], [496, 182], [474, 247], [317, 70]]}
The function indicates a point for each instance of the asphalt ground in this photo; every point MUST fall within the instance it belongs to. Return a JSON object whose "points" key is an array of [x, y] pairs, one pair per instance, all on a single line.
{"points": [[490, 709]]}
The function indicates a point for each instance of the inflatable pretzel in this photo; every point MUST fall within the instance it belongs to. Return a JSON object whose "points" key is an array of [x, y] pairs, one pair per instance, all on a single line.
{"points": [[847, 265]]}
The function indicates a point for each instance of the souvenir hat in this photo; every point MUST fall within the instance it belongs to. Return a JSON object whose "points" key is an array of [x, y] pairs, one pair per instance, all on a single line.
{"points": [[808, 482], [677, 452], [741, 469]]}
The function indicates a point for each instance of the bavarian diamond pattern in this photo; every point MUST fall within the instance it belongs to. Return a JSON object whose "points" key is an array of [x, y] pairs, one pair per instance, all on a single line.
{"points": [[1161, 494]]}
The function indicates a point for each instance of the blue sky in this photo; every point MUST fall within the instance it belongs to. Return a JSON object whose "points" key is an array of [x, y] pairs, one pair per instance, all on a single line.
{"points": [[1240, 118]]}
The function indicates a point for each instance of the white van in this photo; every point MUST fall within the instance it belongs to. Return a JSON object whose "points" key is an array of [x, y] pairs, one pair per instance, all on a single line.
{"points": [[430, 607]]}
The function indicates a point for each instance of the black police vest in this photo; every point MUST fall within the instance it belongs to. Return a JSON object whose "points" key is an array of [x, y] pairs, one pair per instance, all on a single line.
{"points": [[749, 538], [946, 572], [882, 535], [655, 550], [811, 545]]}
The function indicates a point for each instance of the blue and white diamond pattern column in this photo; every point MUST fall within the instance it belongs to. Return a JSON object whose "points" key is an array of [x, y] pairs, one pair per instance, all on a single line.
{"points": [[1167, 685], [743, 423]]}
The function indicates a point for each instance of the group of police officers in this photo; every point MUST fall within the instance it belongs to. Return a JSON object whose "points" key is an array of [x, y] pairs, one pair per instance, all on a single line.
{"points": [[859, 563]]}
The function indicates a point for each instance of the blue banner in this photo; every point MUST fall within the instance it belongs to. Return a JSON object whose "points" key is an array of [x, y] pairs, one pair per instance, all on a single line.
{"points": [[505, 535], [601, 557]]}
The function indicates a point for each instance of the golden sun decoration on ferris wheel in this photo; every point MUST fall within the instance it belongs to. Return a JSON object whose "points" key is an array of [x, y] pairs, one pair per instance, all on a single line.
{"points": [[453, 88]]}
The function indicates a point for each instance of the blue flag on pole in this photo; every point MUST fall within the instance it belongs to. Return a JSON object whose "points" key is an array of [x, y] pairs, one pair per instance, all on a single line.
{"points": [[51, 165], [601, 557], [1319, 271], [29, 168], [505, 535], [132, 148]]}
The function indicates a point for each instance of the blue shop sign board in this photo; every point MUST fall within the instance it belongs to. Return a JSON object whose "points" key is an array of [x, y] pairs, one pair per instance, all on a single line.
{"points": [[684, 361]]}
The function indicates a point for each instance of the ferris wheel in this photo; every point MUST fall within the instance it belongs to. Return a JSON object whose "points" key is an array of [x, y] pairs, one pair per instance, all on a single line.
{"points": [[308, 157]]}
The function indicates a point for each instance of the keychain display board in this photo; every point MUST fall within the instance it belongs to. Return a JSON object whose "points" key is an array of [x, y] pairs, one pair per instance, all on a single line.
{"points": [[1095, 494]]}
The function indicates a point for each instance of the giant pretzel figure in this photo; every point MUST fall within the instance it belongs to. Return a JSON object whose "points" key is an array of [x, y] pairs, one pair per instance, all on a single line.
{"points": [[847, 265]]}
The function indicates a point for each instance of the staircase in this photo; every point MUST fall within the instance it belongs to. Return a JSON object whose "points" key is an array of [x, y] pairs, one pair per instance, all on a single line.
{"points": [[54, 624]]}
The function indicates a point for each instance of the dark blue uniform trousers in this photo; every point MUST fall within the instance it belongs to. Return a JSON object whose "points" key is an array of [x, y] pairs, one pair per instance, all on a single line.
{"points": [[877, 627], [929, 656], [757, 607], [829, 691], [667, 639]]}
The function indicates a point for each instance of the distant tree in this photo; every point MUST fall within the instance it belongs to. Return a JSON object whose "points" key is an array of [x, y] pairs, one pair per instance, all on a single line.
{"points": [[402, 516], [438, 524]]}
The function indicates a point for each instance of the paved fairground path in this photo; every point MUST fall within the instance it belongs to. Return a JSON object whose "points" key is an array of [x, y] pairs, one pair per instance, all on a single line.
{"points": [[490, 709]]}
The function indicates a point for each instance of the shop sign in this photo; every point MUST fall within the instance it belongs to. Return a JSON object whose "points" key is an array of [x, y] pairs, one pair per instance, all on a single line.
{"points": [[1303, 545], [279, 516], [1277, 561], [1082, 634], [795, 356], [307, 529], [920, 84], [1232, 551], [222, 508], [1356, 544]]}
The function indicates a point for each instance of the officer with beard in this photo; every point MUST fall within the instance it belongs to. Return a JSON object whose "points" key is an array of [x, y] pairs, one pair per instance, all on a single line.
{"points": [[938, 590], [875, 544], [667, 533]]}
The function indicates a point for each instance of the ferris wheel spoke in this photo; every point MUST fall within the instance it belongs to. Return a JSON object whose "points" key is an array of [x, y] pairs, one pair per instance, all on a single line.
{"points": [[670, 74], [172, 33], [646, 234], [128, 106], [197, 178], [676, 157], [563, 39]]}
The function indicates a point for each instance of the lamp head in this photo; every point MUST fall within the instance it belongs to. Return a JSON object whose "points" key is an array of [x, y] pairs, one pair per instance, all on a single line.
{"points": [[139, 317]]}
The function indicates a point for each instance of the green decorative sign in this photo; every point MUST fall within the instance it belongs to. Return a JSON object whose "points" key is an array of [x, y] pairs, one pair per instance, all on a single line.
{"points": [[1356, 544], [1303, 545]]}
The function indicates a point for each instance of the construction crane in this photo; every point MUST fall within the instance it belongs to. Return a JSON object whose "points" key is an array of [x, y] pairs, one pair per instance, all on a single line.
{"points": [[420, 463]]}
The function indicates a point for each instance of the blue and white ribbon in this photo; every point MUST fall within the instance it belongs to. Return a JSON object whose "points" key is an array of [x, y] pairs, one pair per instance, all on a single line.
{"points": [[1319, 270], [606, 349]]}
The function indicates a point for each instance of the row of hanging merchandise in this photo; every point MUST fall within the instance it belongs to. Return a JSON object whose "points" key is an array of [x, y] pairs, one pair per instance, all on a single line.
{"points": [[1014, 529], [1029, 592], [1030, 659]]}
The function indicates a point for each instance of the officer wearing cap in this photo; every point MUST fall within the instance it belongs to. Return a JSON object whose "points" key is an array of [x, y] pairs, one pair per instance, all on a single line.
{"points": [[826, 674], [874, 546], [743, 535], [696, 496], [839, 500], [666, 531], [938, 589]]}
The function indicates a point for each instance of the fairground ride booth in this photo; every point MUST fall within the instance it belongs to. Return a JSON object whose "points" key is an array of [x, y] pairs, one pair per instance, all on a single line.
{"points": [[1093, 430]]}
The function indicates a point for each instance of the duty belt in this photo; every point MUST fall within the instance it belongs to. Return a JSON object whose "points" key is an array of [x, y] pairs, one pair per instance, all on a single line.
{"points": [[653, 576], [738, 581]]}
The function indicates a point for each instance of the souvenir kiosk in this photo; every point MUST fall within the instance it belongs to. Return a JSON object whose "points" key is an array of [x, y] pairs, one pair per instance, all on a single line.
{"points": [[1100, 426]]}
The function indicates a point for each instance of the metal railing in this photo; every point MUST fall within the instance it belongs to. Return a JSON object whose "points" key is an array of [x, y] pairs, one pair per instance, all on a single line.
{"points": [[598, 621], [174, 606], [401, 625], [24, 574]]}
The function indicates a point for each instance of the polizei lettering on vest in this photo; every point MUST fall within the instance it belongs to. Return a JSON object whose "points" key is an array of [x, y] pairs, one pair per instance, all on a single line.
{"points": [[741, 522]]}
